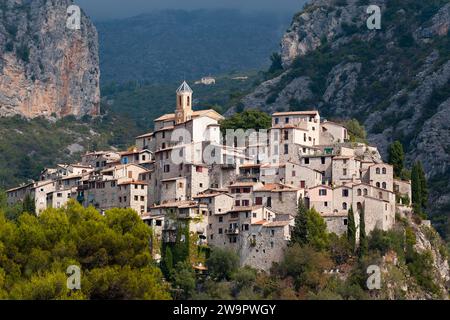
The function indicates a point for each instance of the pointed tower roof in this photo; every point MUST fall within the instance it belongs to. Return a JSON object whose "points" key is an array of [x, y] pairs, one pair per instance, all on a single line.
{"points": [[184, 88]]}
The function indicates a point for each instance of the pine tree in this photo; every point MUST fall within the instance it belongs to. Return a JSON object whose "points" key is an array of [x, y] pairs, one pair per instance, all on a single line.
{"points": [[397, 157], [300, 232], [351, 228], [363, 245]]}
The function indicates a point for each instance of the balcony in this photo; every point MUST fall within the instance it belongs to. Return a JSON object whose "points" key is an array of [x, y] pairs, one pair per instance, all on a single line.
{"points": [[232, 232]]}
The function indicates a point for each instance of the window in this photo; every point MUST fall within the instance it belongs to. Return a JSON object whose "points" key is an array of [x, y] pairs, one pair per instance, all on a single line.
{"points": [[294, 173], [199, 169], [254, 214], [220, 219], [303, 184], [286, 149], [384, 186], [286, 135], [359, 192], [237, 203], [220, 231], [306, 160], [167, 168], [277, 120], [286, 120], [345, 222], [365, 192], [378, 184], [304, 137], [345, 192], [258, 201], [344, 206], [275, 150], [384, 170], [344, 172], [322, 160], [322, 192], [142, 198], [136, 198], [245, 203], [325, 204], [377, 170]]}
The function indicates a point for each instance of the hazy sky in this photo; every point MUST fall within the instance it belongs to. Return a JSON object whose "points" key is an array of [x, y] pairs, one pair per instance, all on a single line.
{"points": [[106, 9]]}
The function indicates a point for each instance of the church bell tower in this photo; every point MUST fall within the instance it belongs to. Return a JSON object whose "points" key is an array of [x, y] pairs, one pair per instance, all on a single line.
{"points": [[183, 112]]}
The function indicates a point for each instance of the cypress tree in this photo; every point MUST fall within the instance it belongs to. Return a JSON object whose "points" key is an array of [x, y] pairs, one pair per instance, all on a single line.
{"points": [[423, 186], [167, 261], [416, 189], [397, 157], [300, 231], [28, 205], [351, 228], [363, 245]]}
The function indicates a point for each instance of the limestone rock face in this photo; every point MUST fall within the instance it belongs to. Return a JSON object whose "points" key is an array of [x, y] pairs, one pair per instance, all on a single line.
{"points": [[46, 68], [395, 80]]}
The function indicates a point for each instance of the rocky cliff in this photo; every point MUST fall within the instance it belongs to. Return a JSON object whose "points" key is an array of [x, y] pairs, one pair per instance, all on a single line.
{"points": [[46, 68], [396, 80]]}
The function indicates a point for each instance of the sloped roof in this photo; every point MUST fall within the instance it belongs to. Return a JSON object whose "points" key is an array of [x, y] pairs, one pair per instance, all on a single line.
{"points": [[184, 88]]}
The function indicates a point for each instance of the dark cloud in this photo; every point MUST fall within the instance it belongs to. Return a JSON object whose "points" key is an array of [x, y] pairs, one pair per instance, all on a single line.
{"points": [[104, 9]]}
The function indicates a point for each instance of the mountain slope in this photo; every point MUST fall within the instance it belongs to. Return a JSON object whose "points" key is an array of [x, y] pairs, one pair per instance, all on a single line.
{"points": [[167, 46], [46, 68], [395, 80]]}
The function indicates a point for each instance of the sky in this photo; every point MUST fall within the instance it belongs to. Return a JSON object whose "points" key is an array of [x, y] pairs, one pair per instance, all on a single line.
{"points": [[111, 9]]}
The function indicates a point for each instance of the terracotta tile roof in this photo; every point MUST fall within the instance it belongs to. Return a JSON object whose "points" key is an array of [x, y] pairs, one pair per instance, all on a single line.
{"points": [[295, 113], [261, 222]]}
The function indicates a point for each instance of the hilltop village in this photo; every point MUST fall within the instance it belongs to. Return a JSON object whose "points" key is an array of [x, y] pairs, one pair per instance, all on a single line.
{"points": [[240, 194]]}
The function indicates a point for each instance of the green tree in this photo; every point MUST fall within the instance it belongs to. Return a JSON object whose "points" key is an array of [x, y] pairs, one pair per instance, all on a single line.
{"points": [[222, 263], [397, 157], [277, 64], [419, 189], [112, 251], [167, 261], [351, 228], [248, 119], [29, 205], [356, 131], [183, 279], [306, 266], [317, 234], [300, 233], [363, 242]]}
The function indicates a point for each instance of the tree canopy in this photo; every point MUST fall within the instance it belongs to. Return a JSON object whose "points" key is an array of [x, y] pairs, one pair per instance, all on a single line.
{"points": [[248, 119], [112, 251], [397, 157]]}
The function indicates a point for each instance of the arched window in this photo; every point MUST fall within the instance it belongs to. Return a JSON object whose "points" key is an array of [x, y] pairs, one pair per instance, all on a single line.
{"points": [[188, 101], [365, 192], [377, 170], [384, 185], [344, 206], [378, 184], [359, 192], [380, 195], [384, 170]]}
